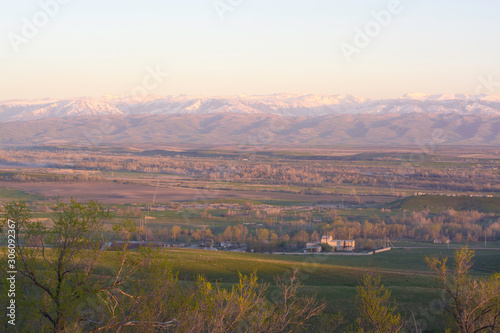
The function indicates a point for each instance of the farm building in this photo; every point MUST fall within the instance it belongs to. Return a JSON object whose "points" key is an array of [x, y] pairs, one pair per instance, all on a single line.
{"points": [[339, 245], [312, 248]]}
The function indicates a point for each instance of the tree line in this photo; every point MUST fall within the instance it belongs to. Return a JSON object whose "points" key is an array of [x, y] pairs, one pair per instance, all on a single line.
{"points": [[371, 173], [281, 230]]}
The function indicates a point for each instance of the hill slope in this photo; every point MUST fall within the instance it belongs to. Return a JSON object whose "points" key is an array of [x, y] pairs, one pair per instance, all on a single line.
{"points": [[256, 129], [439, 203]]}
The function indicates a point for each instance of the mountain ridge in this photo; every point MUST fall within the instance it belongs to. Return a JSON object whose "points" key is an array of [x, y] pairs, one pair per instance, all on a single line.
{"points": [[309, 105], [395, 129]]}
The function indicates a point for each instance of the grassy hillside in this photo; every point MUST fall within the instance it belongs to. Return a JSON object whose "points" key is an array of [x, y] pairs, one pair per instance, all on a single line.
{"points": [[335, 278], [437, 202]]}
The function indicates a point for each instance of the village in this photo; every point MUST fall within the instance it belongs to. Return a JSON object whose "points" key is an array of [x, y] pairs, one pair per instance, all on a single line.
{"points": [[327, 245]]}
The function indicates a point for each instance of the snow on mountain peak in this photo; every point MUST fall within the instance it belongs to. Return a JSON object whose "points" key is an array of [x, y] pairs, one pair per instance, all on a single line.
{"points": [[416, 95], [283, 104], [56, 109]]}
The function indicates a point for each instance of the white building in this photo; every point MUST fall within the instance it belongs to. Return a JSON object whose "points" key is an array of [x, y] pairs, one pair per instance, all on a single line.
{"points": [[339, 245]]}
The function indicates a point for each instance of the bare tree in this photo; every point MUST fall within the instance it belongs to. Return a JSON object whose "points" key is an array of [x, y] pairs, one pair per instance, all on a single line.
{"points": [[290, 310]]}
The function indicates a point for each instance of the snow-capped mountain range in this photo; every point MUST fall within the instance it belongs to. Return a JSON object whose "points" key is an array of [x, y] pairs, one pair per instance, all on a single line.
{"points": [[281, 104]]}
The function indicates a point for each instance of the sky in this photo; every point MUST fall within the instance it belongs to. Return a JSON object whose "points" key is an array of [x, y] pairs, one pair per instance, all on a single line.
{"points": [[368, 48]]}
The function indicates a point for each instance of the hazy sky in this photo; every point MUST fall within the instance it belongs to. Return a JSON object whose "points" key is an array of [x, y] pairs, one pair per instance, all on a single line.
{"points": [[94, 48]]}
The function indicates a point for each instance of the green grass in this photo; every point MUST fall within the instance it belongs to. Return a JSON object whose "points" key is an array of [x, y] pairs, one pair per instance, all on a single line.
{"points": [[7, 195], [334, 279], [453, 245], [439, 203], [397, 265]]}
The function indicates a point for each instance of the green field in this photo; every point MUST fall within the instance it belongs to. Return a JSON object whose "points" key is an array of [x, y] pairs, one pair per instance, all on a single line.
{"points": [[7, 195], [335, 278], [437, 203]]}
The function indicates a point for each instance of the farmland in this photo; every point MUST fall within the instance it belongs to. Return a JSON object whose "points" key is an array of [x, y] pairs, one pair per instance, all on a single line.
{"points": [[335, 278], [250, 206]]}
